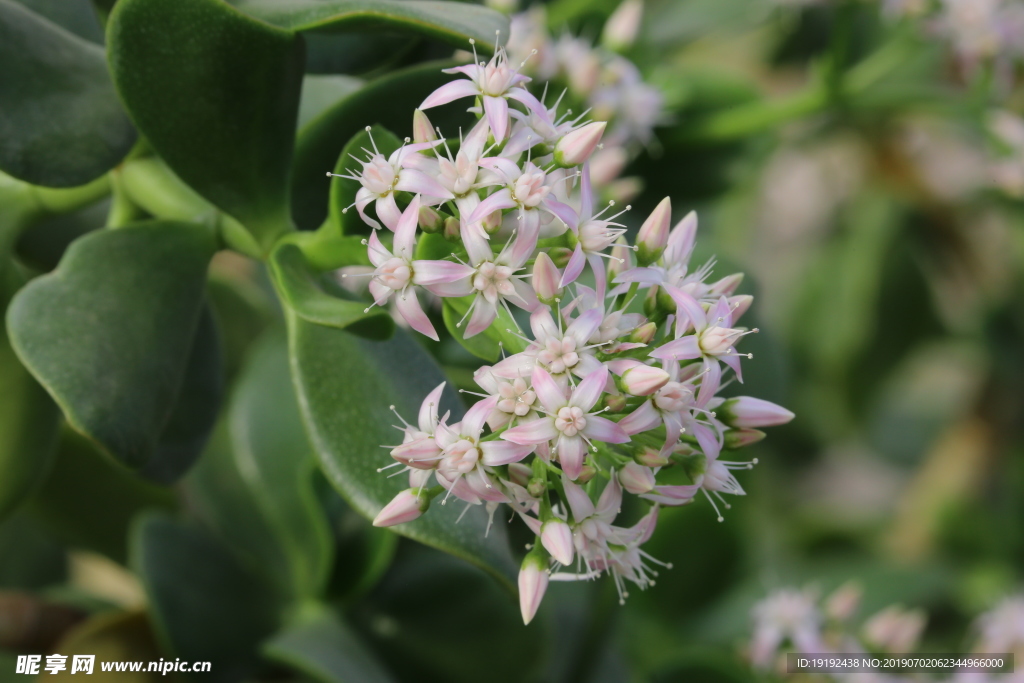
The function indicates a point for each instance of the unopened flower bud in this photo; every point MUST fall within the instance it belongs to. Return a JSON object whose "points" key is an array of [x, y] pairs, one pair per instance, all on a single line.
{"points": [[644, 334], [533, 582], [430, 220], [739, 305], [652, 238], [520, 473], [616, 403], [607, 164], [623, 25], [620, 258], [546, 279], [452, 229], [422, 128], [537, 487], [747, 411], [643, 380], [577, 146], [556, 536], [491, 222], [586, 474], [405, 507], [636, 478], [560, 256], [727, 285], [843, 602], [651, 457], [738, 438]]}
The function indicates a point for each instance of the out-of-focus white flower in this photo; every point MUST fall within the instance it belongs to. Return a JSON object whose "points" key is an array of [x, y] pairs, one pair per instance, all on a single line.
{"points": [[786, 615]]}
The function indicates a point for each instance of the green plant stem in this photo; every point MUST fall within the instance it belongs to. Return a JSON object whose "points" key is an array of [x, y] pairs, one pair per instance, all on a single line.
{"points": [[51, 200]]}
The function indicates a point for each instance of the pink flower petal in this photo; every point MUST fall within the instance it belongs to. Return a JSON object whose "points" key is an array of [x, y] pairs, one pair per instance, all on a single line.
{"points": [[589, 391], [571, 452], [388, 211], [418, 182], [496, 109], [449, 92], [610, 501], [563, 212], [476, 417], [375, 251], [684, 348], [645, 276], [575, 266], [439, 272], [551, 396], [483, 315], [409, 306], [502, 199], [405, 230], [458, 288], [530, 433], [527, 98], [642, 419], [579, 502], [428, 409], [503, 452], [689, 311], [602, 429], [584, 327]]}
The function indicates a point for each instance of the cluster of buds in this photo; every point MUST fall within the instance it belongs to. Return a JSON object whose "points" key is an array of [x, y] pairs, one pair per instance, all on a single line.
{"points": [[616, 384], [798, 620]]}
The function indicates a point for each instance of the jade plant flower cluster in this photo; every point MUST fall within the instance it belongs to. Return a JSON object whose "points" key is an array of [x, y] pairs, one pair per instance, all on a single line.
{"points": [[611, 388]]}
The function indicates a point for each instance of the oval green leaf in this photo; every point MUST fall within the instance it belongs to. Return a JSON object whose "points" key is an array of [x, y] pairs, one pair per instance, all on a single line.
{"points": [[112, 335], [60, 121], [346, 386], [233, 144]]}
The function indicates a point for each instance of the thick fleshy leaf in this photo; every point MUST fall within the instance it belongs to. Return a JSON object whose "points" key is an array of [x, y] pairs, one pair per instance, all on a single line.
{"points": [[320, 92], [346, 386], [112, 335], [29, 421], [324, 648], [111, 637], [312, 297], [489, 343], [77, 16], [453, 22], [342, 215], [205, 606], [387, 101], [233, 144], [88, 502], [60, 121], [276, 461]]}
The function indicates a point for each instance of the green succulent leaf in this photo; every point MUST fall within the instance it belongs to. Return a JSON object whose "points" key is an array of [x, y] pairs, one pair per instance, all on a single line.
{"points": [[233, 145], [275, 460], [313, 298], [60, 121], [346, 388], [29, 421], [387, 101], [453, 22], [88, 501], [112, 636], [343, 190], [323, 647], [205, 606], [118, 336], [489, 343]]}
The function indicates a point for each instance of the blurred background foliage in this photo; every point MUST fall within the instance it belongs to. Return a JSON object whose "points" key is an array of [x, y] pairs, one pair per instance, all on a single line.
{"points": [[842, 160]]}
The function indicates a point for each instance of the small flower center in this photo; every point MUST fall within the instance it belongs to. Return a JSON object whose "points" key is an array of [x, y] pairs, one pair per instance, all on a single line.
{"points": [[395, 273], [596, 236], [559, 355], [379, 176], [570, 420], [516, 398], [717, 340], [497, 78], [673, 397], [529, 190], [493, 280], [461, 456]]}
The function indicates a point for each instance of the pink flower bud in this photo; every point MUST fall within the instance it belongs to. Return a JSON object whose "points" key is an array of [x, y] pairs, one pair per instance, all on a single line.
{"points": [[422, 128], [492, 222], [546, 278], [636, 478], [623, 25], [746, 411], [606, 165], [738, 438], [556, 536], [537, 487], [653, 235], [643, 380], [430, 220], [577, 146], [841, 605], [644, 334], [739, 305], [651, 457], [405, 507], [586, 474], [727, 285], [533, 581], [452, 229]]}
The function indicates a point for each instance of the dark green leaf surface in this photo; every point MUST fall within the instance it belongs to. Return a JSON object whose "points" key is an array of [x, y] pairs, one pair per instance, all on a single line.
{"points": [[276, 461], [77, 16], [205, 606], [452, 22], [88, 502], [326, 649], [60, 121], [301, 290], [345, 387], [233, 143], [110, 334], [111, 637], [487, 344], [28, 426], [343, 190], [320, 142]]}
